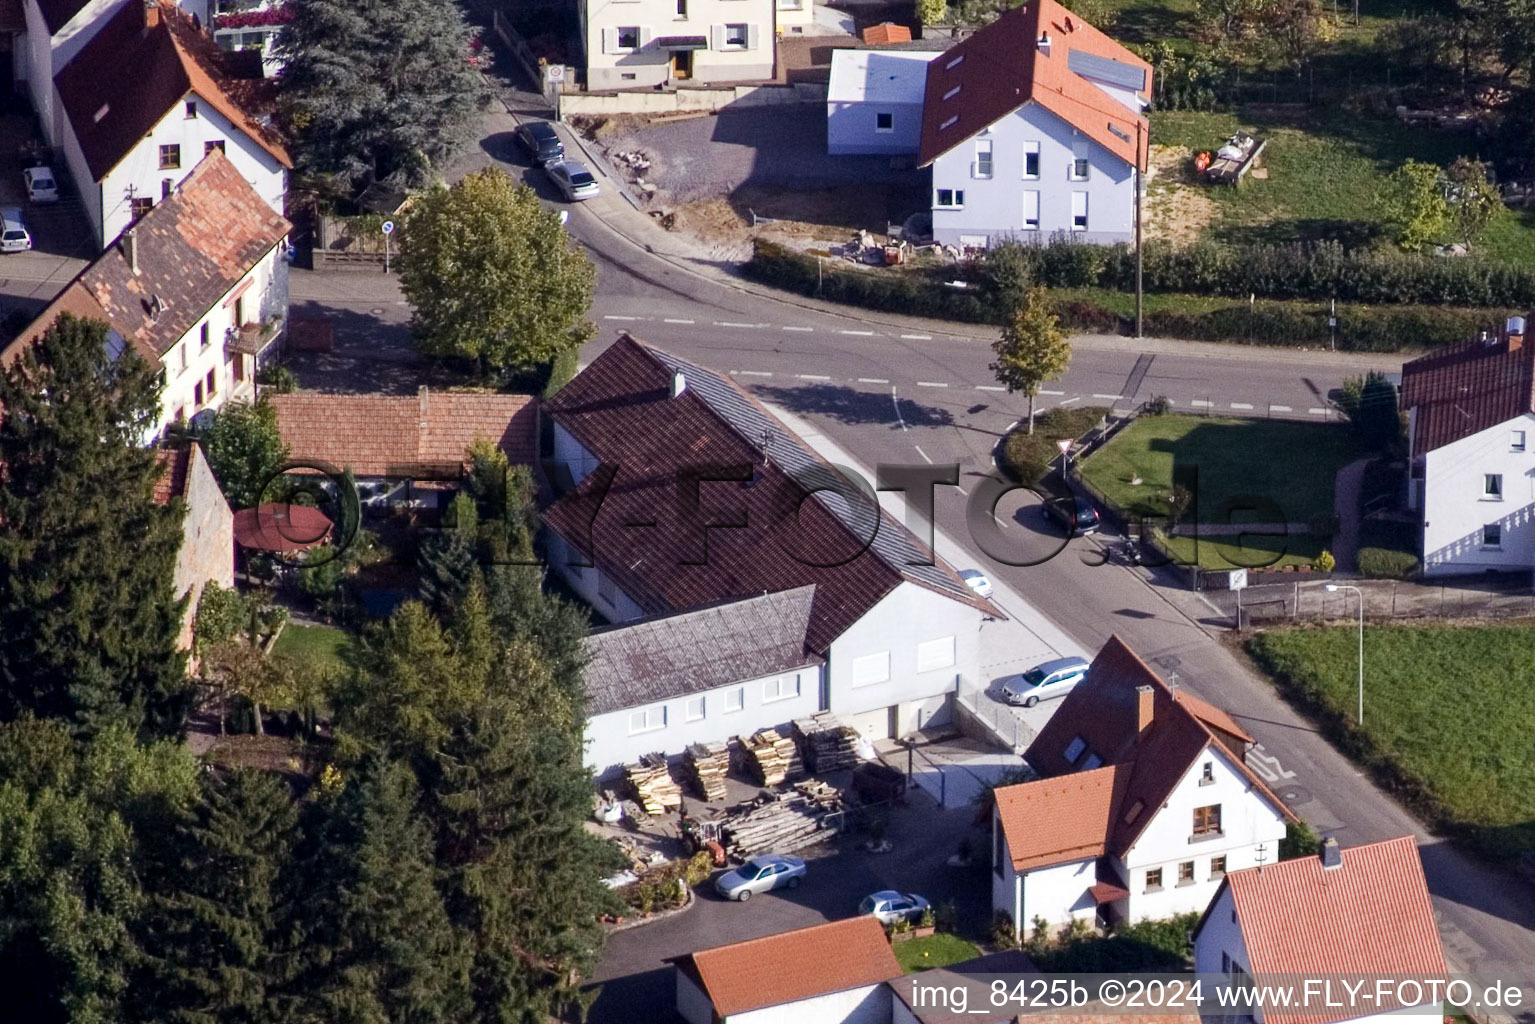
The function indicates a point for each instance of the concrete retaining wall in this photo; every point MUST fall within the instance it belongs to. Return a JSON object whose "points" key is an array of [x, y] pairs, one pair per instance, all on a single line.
{"points": [[690, 100]]}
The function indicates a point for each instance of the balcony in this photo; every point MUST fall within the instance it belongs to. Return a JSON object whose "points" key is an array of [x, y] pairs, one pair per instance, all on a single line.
{"points": [[255, 338]]}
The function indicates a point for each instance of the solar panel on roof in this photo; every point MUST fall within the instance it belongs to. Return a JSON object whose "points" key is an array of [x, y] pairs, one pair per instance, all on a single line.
{"points": [[1105, 69]]}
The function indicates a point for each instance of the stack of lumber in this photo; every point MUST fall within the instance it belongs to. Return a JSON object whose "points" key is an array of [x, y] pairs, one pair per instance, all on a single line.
{"points": [[770, 757], [824, 796], [707, 765], [778, 825], [827, 744], [653, 785]]}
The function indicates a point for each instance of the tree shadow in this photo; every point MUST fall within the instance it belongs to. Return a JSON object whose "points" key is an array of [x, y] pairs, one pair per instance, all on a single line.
{"points": [[849, 405]]}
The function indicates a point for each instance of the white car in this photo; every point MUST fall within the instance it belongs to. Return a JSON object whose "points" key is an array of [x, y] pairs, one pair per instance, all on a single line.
{"points": [[574, 179], [14, 236], [42, 187], [890, 906], [978, 582]]}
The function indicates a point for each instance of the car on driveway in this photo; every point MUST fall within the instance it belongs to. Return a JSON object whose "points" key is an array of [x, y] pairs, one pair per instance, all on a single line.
{"points": [[42, 186], [1044, 682], [14, 236], [1075, 513], [761, 874], [978, 582], [540, 142], [890, 906], [573, 179]]}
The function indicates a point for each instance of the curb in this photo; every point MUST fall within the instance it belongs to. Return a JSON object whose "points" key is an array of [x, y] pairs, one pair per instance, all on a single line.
{"points": [[639, 922]]}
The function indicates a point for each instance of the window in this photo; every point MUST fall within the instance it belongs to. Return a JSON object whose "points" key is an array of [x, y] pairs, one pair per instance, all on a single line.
{"points": [[1079, 211], [1093, 761], [1134, 812], [1031, 209], [781, 688], [949, 122], [1031, 160], [884, 122], [735, 37], [1186, 873], [1492, 535], [197, 394], [871, 668], [140, 206], [1217, 867], [1153, 879], [735, 699], [1207, 773], [181, 413], [238, 365], [695, 709], [682, 9], [935, 654], [629, 37], [239, 310], [956, 62], [647, 719], [949, 198], [170, 158], [209, 147], [982, 168], [1516, 441], [166, 184], [182, 348], [1492, 486], [1079, 169], [627, 76], [202, 337], [1207, 821], [191, 108], [213, 383], [1074, 749], [952, 93]]}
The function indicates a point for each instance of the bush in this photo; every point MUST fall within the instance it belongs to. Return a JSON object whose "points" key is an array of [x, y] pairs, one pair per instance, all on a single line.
{"points": [[946, 917], [1385, 564], [1002, 931], [1157, 406], [1300, 840], [1324, 562]]}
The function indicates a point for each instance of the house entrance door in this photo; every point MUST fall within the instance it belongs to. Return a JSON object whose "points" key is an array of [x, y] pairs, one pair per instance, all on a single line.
{"points": [[682, 64]]}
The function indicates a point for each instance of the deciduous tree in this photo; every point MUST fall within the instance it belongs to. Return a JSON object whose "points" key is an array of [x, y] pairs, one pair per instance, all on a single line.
{"points": [[1413, 204], [245, 451], [1472, 199], [1031, 350]]}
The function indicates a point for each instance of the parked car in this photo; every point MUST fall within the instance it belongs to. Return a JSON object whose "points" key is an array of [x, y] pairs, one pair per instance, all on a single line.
{"points": [[540, 142], [1074, 512], [573, 179], [890, 906], [1044, 682], [14, 236], [761, 874], [978, 582], [42, 186]]}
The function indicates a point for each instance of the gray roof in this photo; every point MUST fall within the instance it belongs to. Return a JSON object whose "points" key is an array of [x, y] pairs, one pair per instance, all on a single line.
{"points": [[1106, 69], [660, 658]]}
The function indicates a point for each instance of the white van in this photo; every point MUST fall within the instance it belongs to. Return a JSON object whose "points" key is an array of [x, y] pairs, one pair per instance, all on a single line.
{"points": [[13, 233]]}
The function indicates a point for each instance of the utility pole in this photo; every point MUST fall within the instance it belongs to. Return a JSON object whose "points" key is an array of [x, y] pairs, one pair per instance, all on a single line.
{"points": [[1140, 188]]}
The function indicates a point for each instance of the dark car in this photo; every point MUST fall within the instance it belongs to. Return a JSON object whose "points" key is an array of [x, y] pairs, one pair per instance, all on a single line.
{"points": [[1075, 513], [539, 141]]}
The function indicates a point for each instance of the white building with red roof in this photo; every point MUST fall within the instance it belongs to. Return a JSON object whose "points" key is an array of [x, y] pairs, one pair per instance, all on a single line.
{"points": [[1364, 911]]}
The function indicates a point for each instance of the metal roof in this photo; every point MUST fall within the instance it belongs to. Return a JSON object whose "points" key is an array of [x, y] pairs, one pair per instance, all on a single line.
{"points": [[1106, 69]]}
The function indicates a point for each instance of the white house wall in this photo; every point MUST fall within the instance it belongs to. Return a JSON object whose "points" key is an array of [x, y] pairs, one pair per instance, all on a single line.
{"points": [[571, 454], [1248, 820], [897, 626], [993, 210], [47, 55], [868, 1004], [1058, 894], [79, 173], [852, 128], [610, 744], [604, 595], [647, 65], [1455, 508]]}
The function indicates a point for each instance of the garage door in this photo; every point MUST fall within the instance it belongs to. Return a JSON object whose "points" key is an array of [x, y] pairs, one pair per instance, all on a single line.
{"points": [[875, 725]]}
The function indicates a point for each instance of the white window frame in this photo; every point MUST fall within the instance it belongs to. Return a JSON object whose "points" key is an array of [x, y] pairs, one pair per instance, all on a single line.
{"points": [[956, 199], [889, 117], [1079, 169], [729, 29], [1516, 441], [689, 714], [780, 688], [1492, 486], [735, 699], [1030, 149], [647, 720], [618, 38], [1031, 201], [983, 167], [935, 654], [871, 669], [1079, 199]]}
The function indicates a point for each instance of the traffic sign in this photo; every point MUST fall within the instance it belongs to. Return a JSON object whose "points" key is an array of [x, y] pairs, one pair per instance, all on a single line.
{"points": [[388, 227], [554, 73]]}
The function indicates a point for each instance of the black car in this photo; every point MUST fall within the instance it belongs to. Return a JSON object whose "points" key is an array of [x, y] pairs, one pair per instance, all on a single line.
{"points": [[539, 141], [1075, 513]]}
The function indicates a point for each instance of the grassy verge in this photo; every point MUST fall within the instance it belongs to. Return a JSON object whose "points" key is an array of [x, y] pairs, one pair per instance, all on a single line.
{"points": [[1026, 457], [319, 646], [1251, 551], [1449, 713], [930, 951]]}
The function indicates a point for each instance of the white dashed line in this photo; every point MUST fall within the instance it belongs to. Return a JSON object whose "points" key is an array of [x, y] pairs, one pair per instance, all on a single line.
{"points": [[917, 337], [677, 320], [1043, 392], [1200, 403], [922, 453], [861, 334], [990, 387], [897, 403], [1317, 412], [1280, 408], [802, 330], [1113, 397], [812, 376], [1240, 405], [751, 373], [1073, 398], [620, 317], [873, 380], [732, 323], [931, 384]]}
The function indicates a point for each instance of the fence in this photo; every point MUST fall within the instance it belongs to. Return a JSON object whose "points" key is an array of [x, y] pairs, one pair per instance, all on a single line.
{"points": [[997, 722], [524, 55], [1308, 601]]}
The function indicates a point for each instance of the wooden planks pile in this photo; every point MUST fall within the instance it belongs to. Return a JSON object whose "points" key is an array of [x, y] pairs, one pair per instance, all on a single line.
{"points": [[770, 758], [653, 784], [827, 744], [787, 822], [707, 765]]}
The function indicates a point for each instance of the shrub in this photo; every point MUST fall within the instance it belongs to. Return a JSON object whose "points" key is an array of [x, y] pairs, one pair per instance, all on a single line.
{"points": [[1385, 564], [1026, 457], [1157, 406], [1300, 840], [946, 917], [1002, 931], [1324, 562], [277, 378], [699, 868]]}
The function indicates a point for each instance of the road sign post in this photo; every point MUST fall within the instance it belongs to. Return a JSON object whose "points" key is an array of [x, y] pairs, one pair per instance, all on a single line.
{"points": [[388, 229]]}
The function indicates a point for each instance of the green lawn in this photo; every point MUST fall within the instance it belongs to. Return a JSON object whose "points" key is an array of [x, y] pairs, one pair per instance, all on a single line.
{"points": [[1251, 551], [930, 951], [314, 645], [1252, 471], [1448, 718]]}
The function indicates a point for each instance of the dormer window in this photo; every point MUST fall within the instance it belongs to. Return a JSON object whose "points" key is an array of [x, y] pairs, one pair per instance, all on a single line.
{"points": [[1134, 812], [1207, 773], [1074, 750], [956, 62], [952, 93], [949, 123]]}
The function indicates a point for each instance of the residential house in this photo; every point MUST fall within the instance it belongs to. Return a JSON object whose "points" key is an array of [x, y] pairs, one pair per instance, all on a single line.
{"points": [[641, 44], [128, 148], [404, 448], [1145, 803], [1034, 128], [831, 973], [794, 16], [1360, 912], [51, 33], [697, 677], [1470, 428], [250, 26], [679, 492], [207, 552], [197, 286], [874, 101]]}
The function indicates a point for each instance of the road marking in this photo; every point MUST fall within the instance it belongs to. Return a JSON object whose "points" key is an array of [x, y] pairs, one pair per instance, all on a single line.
{"points": [[1073, 398], [1240, 405], [897, 403], [677, 320], [1280, 408], [1267, 765], [961, 490], [917, 337], [861, 334], [732, 323], [931, 384], [610, 317], [812, 376], [990, 387], [922, 453], [1113, 397], [1052, 392], [1200, 403], [751, 373], [1317, 412], [873, 380], [803, 330]]}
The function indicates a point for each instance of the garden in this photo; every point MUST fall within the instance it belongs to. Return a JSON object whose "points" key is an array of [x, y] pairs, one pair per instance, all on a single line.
{"points": [[1448, 716]]}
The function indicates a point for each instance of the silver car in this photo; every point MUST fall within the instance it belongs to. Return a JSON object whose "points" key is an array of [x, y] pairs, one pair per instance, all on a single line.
{"points": [[573, 179], [890, 906], [761, 874], [1044, 682]]}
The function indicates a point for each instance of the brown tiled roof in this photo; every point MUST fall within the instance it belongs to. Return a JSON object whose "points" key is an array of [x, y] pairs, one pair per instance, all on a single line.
{"points": [[887, 32], [620, 409], [421, 437], [791, 966], [1061, 820], [1001, 68], [1370, 916], [191, 250], [164, 65], [172, 483], [1467, 388]]}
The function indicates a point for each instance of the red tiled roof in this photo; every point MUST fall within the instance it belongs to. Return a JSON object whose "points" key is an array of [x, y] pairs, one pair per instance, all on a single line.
{"points": [[165, 64], [281, 527], [791, 966], [172, 483], [621, 410], [1060, 820], [1467, 388], [1002, 67], [1370, 916], [191, 250], [422, 436]]}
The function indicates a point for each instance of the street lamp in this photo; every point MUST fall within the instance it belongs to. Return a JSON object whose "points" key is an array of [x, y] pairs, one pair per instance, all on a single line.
{"points": [[1331, 588]]}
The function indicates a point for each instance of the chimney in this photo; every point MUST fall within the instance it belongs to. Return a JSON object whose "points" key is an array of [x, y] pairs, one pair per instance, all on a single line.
{"points": [[1145, 701], [131, 249], [1044, 43], [151, 14], [679, 383], [1332, 857]]}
